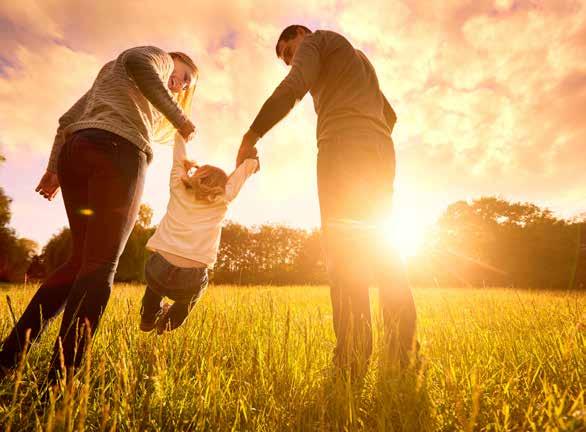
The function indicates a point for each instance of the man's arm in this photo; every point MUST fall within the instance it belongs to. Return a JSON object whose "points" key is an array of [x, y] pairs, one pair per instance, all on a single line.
{"points": [[302, 76], [389, 113], [304, 72]]}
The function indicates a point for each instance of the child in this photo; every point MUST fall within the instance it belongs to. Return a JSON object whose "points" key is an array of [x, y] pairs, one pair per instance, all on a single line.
{"points": [[186, 241]]}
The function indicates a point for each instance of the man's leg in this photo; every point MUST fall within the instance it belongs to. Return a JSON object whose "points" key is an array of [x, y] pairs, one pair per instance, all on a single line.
{"points": [[349, 291], [341, 191], [397, 303], [395, 293]]}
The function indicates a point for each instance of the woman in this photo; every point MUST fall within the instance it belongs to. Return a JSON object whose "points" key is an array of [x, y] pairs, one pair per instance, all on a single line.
{"points": [[99, 159]]}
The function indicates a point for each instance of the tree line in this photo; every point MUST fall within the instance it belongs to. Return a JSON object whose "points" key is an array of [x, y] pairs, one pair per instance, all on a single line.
{"points": [[269, 254], [16, 253], [485, 242]]}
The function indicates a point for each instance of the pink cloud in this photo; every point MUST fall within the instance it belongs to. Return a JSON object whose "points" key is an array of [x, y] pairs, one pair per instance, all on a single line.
{"points": [[490, 94]]}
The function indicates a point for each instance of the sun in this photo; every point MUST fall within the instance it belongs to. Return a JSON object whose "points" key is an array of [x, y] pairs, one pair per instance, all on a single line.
{"points": [[405, 231]]}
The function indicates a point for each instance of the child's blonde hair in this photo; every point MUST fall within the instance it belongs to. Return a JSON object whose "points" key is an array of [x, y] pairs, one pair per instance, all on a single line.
{"points": [[208, 183]]}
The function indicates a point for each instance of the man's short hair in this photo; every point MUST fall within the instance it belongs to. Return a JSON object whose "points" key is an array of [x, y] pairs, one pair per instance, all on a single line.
{"points": [[289, 33]]}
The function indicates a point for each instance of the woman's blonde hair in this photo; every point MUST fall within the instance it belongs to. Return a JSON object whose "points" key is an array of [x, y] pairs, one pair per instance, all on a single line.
{"points": [[208, 183], [165, 131]]}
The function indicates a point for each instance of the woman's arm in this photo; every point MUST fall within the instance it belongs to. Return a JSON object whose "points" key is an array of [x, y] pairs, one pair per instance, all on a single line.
{"points": [[142, 65]]}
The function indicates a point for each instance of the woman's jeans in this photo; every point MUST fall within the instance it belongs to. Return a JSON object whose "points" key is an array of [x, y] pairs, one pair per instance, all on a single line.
{"points": [[355, 177], [102, 177], [182, 285]]}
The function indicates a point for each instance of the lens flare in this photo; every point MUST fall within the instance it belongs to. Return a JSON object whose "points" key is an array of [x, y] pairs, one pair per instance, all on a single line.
{"points": [[405, 231]]}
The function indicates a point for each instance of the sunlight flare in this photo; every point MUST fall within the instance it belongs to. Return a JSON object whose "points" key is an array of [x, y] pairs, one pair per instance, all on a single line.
{"points": [[405, 230]]}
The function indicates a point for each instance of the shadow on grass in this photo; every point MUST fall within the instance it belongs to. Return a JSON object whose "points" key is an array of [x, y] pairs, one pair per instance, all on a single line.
{"points": [[385, 399]]}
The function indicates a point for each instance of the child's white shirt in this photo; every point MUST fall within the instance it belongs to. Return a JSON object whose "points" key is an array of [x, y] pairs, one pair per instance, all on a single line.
{"points": [[191, 228]]}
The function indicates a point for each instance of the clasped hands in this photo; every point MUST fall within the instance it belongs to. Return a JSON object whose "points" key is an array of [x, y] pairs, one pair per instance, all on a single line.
{"points": [[247, 149]]}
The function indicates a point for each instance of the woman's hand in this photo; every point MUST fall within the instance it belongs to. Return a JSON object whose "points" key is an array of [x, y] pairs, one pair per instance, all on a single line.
{"points": [[49, 185], [187, 130], [190, 165]]}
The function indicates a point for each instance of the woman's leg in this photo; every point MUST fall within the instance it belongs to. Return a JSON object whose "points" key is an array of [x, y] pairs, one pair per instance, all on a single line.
{"points": [[50, 298], [116, 172]]}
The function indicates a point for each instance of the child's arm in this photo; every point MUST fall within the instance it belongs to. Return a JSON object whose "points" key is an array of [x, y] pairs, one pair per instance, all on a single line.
{"points": [[180, 165], [238, 177]]}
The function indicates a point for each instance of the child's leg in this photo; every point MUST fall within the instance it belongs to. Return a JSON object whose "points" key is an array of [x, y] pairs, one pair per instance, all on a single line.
{"points": [[151, 307], [190, 286], [176, 315]]}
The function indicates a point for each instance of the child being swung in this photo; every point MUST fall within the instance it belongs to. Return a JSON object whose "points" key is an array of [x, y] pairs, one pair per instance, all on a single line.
{"points": [[186, 242]]}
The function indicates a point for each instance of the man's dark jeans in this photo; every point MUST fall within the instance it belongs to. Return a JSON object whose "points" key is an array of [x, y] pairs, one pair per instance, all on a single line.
{"points": [[182, 285], [102, 178], [355, 184]]}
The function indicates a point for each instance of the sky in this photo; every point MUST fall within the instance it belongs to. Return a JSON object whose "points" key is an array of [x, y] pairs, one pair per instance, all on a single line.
{"points": [[490, 97]]}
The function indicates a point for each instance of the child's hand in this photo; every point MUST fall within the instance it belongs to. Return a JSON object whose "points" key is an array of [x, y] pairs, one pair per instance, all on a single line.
{"points": [[189, 165], [252, 153]]}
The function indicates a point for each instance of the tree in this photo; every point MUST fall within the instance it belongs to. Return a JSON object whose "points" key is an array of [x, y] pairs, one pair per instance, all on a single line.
{"points": [[36, 269], [5, 214], [57, 250], [496, 242], [310, 262], [269, 254], [235, 255], [134, 256], [145, 216], [15, 253]]}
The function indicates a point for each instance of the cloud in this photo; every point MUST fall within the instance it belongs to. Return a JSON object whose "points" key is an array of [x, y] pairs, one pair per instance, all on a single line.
{"points": [[41, 84], [489, 94]]}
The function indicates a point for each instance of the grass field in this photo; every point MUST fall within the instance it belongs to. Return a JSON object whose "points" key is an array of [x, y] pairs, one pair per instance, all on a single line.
{"points": [[260, 359]]}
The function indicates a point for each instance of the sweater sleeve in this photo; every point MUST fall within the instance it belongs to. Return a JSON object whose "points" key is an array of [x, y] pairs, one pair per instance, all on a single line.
{"points": [[239, 177], [143, 65], [72, 115], [389, 113], [301, 78]]}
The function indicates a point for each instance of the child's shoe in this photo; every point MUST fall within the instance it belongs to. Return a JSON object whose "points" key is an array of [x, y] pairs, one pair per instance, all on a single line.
{"points": [[148, 324]]}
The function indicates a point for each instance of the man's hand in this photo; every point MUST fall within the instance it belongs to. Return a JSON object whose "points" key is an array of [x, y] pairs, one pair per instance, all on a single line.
{"points": [[187, 130], [247, 149], [49, 185]]}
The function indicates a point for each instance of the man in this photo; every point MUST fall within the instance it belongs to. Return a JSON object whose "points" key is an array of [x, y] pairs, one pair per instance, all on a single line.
{"points": [[355, 170]]}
